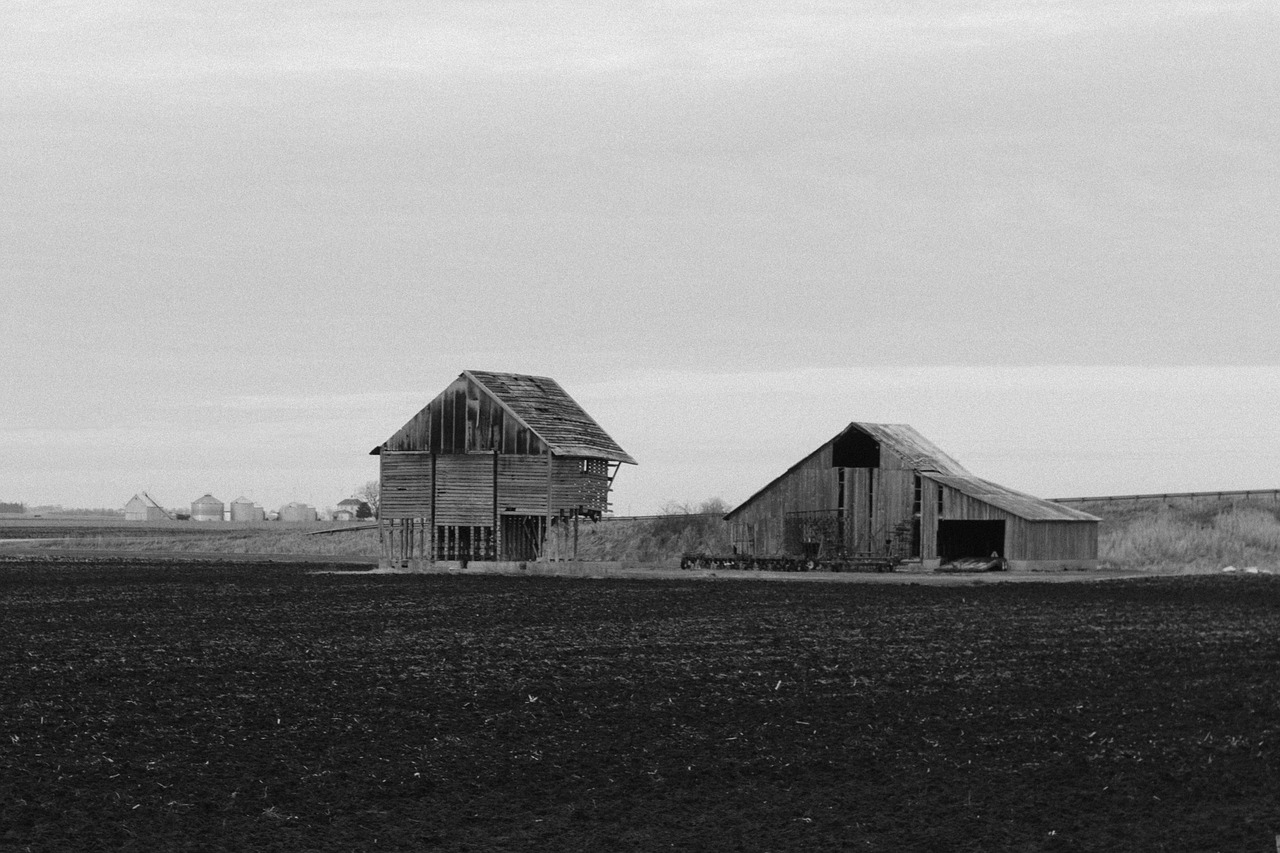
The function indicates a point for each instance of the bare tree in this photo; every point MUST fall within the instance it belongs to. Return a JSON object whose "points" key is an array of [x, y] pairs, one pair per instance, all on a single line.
{"points": [[371, 494]]}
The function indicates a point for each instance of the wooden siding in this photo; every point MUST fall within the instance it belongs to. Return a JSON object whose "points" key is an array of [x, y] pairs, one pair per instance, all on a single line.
{"points": [[464, 489], [929, 518], [522, 485], [1024, 540], [405, 485], [464, 418], [878, 501], [574, 483], [810, 485], [463, 486], [875, 501], [1056, 540], [579, 483]]}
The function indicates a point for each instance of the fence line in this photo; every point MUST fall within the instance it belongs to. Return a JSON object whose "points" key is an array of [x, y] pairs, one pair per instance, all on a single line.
{"points": [[668, 515], [1262, 494]]}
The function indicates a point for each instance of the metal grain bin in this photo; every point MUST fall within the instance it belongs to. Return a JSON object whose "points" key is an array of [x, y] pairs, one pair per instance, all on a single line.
{"points": [[207, 508], [243, 509], [297, 512]]}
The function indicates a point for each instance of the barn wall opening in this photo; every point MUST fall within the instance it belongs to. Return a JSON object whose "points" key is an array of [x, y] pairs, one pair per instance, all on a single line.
{"points": [[958, 539], [855, 449], [464, 542], [522, 536]]}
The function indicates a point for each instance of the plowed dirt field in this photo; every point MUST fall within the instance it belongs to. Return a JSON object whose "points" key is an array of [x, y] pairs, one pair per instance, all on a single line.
{"points": [[240, 706]]}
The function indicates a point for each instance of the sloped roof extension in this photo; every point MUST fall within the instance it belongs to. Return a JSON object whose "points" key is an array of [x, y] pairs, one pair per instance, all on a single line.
{"points": [[1010, 500]]}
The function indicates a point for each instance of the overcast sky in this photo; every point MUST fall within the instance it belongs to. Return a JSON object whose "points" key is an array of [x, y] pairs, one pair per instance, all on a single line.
{"points": [[241, 242]]}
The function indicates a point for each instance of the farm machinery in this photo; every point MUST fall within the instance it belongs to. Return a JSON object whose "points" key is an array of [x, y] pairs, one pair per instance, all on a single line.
{"points": [[748, 563], [816, 542]]}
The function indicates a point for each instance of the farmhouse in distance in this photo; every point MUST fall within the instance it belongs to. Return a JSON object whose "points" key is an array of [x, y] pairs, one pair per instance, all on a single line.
{"points": [[498, 466], [884, 490]]}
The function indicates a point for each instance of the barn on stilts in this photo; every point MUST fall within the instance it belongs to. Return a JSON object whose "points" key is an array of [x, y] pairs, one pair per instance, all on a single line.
{"points": [[884, 490], [499, 466]]}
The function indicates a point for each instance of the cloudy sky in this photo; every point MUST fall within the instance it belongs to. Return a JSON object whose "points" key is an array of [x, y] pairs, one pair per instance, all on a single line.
{"points": [[242, 242]]}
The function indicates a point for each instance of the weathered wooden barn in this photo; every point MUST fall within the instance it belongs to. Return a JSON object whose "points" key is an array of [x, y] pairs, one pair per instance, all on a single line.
{"points": [[884, 489], [494, 468]]}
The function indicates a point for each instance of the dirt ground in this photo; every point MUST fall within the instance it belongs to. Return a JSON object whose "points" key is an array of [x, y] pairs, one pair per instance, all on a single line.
{"points": [[194, 705]]}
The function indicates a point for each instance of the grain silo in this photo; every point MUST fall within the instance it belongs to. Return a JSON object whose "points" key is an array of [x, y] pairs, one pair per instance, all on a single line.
{"points": [[243, 509], [295, 511], [207, 508]]}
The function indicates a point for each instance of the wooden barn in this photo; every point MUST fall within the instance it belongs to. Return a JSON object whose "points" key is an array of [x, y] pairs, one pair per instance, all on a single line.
{"points": [[886, 490], [499, 466]]}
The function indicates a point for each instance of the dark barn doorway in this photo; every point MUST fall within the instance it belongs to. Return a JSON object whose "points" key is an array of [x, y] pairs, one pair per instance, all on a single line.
{"points": [[970, 538], [522, 536]]}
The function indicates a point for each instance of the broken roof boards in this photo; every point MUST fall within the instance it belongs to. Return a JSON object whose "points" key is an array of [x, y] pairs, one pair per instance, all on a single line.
{"points": [[885, 489], [508, 412], [488, 467]]}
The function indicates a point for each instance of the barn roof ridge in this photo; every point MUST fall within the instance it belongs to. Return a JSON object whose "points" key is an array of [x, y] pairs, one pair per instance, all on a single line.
{"points": [[542, 421], [913, 447], [931, 461], [542, 406]]}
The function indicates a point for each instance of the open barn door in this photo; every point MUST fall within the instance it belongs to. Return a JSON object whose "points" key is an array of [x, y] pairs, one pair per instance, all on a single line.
{"points": [[959, 539]]}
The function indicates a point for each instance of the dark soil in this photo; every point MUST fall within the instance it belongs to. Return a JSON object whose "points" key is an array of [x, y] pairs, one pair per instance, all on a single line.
{"points": [[204, 706]]}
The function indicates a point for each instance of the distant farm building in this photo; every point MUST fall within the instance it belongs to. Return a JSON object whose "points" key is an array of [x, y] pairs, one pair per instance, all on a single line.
{"points": [[350, 509], [884, 489], [142, 507], [243, 509], [207, 508], [295, 511], [493, 468]]}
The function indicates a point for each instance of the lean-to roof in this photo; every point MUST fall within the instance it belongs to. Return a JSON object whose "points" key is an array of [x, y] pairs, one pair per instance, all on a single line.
{"points": [[1010, 500]]}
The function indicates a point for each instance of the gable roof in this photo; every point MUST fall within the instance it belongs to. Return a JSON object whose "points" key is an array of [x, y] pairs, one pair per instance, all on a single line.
{"points": [[545, 409], [917, 451], [926, 457], [900, 438]]}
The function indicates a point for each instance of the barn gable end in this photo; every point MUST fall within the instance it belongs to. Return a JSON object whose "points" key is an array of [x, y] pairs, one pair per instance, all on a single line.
{"points": [[886, 490], [489, 468]]}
